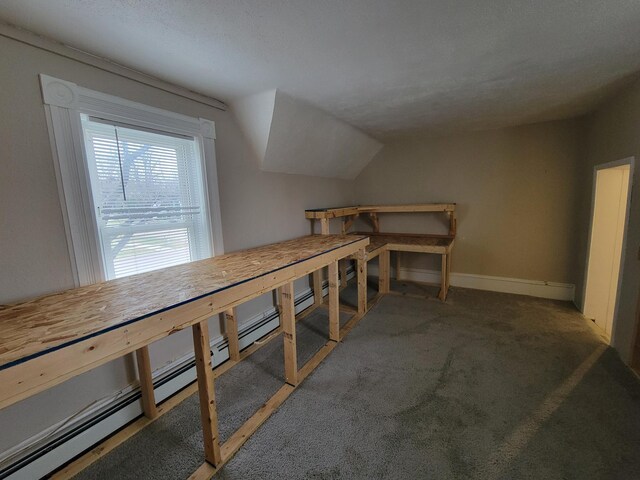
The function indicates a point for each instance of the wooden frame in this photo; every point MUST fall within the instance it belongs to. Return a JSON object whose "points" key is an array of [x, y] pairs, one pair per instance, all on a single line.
{"points": [[98, 323], [64, 102], [384, 242], [635, 339]]}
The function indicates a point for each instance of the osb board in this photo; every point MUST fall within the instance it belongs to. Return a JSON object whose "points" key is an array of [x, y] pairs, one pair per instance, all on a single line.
{"points": [[53, 321], [414, 243]]}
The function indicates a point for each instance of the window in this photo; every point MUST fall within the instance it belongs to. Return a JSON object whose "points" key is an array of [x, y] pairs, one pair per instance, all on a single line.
{"points": [[148, 195], [133, 183]]}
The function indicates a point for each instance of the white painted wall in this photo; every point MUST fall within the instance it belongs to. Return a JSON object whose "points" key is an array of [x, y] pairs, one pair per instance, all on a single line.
{"points": [[257, 208], [254, 114], [516, 191], [291, 136]]}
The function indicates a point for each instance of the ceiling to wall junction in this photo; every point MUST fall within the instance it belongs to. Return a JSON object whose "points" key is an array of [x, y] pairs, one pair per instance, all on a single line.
{"points": [[387, 68]]}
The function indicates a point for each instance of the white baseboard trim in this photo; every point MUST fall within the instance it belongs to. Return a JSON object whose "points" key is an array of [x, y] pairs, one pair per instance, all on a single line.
{"points": [[533, 288], [55, 446]]}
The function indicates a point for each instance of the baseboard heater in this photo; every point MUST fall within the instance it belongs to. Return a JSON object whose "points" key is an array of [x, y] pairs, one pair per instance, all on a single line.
{"points": [[22, 461]]}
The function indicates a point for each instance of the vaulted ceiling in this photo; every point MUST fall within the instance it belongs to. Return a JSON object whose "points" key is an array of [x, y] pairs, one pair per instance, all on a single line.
{"points": [[385, 67]]}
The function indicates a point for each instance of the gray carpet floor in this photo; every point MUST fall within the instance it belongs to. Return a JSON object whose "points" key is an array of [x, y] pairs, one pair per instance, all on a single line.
{"points": [[486, 386]]}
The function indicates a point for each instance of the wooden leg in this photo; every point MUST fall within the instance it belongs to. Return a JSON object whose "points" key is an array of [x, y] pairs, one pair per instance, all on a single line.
{"points": [[343, 272], [231, 325], [146, 383], [317, 287], [362, 282], [334, 303], [206, 393], [448, 275], [324, 226], [398, 261], [383, 272], [288, 320], [443, 279]]}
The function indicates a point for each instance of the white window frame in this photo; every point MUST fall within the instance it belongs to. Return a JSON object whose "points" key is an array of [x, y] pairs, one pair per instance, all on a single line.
{"points": [[64, 102]]}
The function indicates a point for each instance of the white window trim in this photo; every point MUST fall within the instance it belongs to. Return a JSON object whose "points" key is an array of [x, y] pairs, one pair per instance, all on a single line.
{"points": [[64, 102]]}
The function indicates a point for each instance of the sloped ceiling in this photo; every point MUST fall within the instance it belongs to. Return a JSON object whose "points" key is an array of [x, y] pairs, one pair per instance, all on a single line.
{"points": [[385, 67], [291, 136]]}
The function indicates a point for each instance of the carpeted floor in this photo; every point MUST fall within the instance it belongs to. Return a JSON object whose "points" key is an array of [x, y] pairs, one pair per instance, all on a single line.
{"points": [[486, 386]]}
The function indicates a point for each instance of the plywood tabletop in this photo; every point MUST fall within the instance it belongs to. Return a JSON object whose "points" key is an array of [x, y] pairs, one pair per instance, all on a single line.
{"points": [[31, 328], [409, 240]]}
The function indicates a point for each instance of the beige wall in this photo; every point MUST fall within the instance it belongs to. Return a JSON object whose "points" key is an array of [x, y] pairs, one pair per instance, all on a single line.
{"points": [[516, 191], [612, 133], [257, 208]]}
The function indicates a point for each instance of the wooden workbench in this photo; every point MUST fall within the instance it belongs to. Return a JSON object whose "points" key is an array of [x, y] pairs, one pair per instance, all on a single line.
{"points": [[53, 338], [382, 243]]}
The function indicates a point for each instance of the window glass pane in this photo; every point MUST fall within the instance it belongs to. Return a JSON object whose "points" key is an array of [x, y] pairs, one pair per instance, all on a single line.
{"points": [[149, 197]]}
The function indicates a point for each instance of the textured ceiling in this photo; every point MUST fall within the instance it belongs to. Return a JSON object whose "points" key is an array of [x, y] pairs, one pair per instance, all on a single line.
{"points": [[386, 67]]}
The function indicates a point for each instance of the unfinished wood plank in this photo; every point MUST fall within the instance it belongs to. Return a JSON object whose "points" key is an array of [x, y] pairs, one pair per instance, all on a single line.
{"points": [[334, 306], [402, 234], [324, 226], [409, 208], [362, 281], [231, 326], [448, 282], [343, 264], [373, 220], [453, 223], [384, 275], [346, 224], [330, 212], [287, 320], [443, 279], [146, 383], [317, 287], [206, 392]]}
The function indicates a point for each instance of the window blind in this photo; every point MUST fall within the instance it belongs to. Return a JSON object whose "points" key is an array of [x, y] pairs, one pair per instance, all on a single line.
{"points": [[149, 197]]}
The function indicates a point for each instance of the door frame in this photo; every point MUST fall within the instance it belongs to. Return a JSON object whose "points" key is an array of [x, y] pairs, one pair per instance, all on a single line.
{"points": [[603, 166]]}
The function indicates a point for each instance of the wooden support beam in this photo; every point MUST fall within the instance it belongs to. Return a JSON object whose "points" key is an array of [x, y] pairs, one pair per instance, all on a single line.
{"points": [[334, 303], [324, 226], [448, 282], [146, 383], [362, 281], [343, 264], [398, 265], [421, 207], [453, 223], [383, 272], [348, 222], [288, 321], [373, 220], [231, 326], [206, 393], [317, 287], [442, 295]]}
